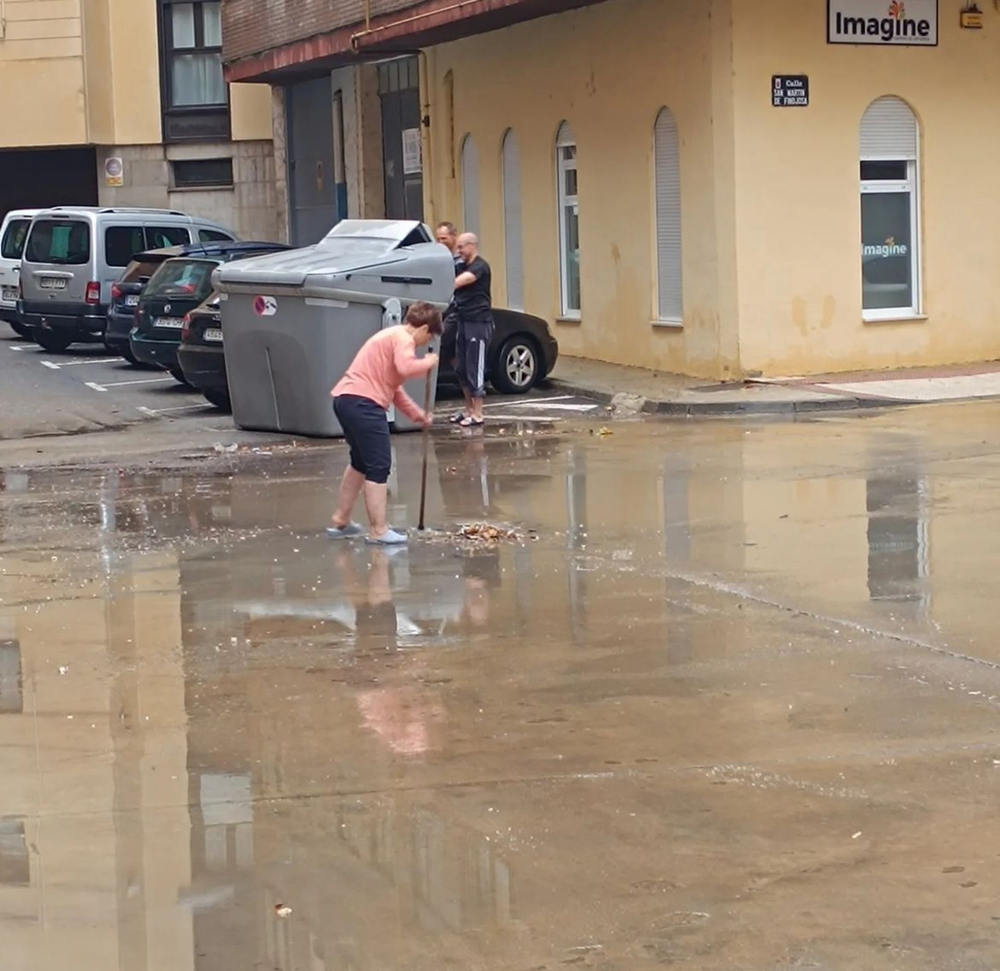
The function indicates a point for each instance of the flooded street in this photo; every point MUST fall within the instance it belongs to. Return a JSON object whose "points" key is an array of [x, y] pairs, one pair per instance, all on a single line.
{"points": [[732, 705]]}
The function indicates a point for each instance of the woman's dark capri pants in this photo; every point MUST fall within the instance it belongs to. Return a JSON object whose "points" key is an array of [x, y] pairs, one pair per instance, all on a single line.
{"points": [[366, 428]]}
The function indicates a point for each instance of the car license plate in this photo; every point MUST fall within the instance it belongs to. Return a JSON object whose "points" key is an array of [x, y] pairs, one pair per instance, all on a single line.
{"points": [[53, 283], [132, 300], [213, 334], [176, 323], [10, 293]]}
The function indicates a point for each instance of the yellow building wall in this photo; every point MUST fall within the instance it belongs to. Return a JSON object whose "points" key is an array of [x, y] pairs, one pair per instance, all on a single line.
{"points": [[251, 112], [135, 78], [88, 72], [607, 70], [41, 58], [799, 223], [770, 197]]}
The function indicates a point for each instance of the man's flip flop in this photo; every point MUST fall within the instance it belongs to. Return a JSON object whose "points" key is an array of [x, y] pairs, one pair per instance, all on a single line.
{"points": [[470, 422], [344, 532], [457, 418]]}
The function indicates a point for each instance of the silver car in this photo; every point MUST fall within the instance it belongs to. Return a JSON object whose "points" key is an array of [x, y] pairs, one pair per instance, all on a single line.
{"points": [[72, 256]]}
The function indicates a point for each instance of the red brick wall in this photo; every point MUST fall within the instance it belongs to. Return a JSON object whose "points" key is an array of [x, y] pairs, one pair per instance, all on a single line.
{"points": [[252, 26]]}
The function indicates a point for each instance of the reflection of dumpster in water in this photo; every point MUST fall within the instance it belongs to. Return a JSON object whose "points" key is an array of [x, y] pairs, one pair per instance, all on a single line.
{"points": [[295, 320]]}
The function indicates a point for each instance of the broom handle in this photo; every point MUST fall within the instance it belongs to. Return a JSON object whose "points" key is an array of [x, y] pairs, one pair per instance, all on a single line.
{"points": [[427, 442]]}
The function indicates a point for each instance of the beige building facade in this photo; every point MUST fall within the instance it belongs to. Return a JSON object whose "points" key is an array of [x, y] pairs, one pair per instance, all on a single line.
{"points": [[122, 102], [718, 188], [712, 232]]}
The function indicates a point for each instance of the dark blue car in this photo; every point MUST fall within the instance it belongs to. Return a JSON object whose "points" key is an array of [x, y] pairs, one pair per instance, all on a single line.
{"points": [[180, 284]]}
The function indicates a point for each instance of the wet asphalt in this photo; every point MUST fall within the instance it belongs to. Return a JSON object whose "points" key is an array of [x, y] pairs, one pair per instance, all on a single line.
{"points": [[731, 705]]}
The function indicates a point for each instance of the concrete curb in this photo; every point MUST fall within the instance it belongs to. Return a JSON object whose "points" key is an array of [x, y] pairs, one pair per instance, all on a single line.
{"points": [[737, 408]]}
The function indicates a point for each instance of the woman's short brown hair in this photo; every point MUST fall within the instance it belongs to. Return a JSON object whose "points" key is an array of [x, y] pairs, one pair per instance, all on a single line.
{"points": [[423, 314]]}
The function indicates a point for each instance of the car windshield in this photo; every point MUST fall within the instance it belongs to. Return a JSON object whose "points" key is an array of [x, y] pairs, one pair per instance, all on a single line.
{"points": [[190, 279], [65, 242], [12, 244], [137, 270]]}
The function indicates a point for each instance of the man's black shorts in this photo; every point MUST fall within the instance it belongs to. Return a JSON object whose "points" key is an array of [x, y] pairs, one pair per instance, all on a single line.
{"points": [[472, 348], [366, 428]]}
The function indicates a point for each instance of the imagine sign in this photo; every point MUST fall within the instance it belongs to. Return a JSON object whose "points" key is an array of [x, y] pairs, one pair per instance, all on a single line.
{"points": [[888, 23]]}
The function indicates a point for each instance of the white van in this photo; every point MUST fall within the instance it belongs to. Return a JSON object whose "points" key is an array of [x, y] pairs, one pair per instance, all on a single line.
{"points": [[13, 233], [73, 255]]}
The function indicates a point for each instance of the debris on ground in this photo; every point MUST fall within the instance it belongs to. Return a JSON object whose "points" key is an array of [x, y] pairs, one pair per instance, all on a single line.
{"points": [[481, 535], [625, 405], [603, 431], [282, 910]]}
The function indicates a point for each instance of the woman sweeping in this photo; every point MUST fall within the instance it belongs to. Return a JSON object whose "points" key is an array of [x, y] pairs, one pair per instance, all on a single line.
{"points": [[361, 400]]}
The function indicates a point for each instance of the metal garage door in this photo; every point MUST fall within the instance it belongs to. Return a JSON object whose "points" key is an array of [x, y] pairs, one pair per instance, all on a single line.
{"points": [[312, 179]]}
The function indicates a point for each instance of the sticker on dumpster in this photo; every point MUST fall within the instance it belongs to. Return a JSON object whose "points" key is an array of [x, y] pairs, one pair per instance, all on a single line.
{"points": [[265, 306]]}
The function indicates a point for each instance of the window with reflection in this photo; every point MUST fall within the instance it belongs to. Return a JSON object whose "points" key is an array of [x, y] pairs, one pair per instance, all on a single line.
{"points": [[890, 238], [195, 94]]}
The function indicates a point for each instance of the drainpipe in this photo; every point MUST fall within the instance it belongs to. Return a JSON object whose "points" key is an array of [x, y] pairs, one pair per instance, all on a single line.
{"points": [[426, 132], [369, 31]]}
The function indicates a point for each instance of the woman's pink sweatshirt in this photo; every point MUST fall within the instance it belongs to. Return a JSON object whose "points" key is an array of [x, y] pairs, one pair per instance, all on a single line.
{"points": [[381, 366]]}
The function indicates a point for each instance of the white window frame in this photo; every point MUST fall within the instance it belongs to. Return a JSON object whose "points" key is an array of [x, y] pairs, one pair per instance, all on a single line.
{"points": [[513, 236], [566, 203], [469, 157], [910, 184]]}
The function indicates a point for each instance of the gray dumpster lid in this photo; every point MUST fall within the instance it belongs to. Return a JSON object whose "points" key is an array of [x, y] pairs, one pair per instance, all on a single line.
{"points": [[352, 244]]}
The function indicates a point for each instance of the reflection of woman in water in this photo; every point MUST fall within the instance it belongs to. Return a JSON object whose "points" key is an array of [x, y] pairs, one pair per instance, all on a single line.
{"points": [[399, 714], [480, 575]]}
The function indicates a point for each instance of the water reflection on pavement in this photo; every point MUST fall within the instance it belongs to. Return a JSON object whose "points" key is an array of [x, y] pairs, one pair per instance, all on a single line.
{"points": [[734, 708]]}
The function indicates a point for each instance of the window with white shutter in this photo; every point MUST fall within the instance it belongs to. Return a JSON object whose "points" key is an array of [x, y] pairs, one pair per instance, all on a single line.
{"points": [[513, 247], [890, 214], [569, 221], [470, 185], [670, 297]]}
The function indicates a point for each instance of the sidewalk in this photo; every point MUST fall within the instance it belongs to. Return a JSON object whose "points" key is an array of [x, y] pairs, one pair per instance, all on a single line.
{"points": [[673, 394]]}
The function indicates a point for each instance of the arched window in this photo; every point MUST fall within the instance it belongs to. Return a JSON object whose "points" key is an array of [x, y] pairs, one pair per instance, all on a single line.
{"points": [[513, 248], [569, 221], [470, 185], [890, 215], [666, 151], [449, 107]]}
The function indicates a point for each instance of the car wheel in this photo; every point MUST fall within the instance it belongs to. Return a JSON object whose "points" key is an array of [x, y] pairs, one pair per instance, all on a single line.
{"points": [[220, 399], [178, 375], [53, 341], [21, 330], [517, 367]]}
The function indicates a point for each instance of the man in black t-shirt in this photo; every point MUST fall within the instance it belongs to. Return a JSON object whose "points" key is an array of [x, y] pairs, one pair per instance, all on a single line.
{"points": [[474, 304]]}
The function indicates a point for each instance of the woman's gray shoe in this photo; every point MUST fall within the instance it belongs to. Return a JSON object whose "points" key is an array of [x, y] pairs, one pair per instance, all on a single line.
{"points": [[389, 538], [344, 532]]}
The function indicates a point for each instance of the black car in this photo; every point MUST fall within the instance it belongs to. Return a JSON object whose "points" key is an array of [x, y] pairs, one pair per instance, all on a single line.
{"points": [[125, 296], [179, 286], [522, 352], [201, 356]]}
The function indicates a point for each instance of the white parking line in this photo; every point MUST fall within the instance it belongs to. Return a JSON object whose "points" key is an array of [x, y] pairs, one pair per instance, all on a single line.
{"points": [[542, 404], [22, 347], [153, 412], [121, 384], [94, 386], [528, 401], [549, 419], [81, 360]]}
